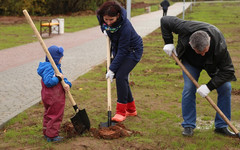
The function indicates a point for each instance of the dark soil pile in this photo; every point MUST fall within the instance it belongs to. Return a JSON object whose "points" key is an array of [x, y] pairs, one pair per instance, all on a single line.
{"points": [[112, 132], [69, 130]]}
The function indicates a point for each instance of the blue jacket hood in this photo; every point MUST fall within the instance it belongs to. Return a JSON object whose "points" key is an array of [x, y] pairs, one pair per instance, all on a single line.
{"points": [[124, 14]]}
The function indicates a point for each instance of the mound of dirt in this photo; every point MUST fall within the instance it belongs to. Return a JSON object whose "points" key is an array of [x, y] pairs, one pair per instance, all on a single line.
{"points": [[112, 132], [69, 130]]}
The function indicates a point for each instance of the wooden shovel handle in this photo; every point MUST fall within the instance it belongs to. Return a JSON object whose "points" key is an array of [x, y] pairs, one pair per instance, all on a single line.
{"points": [[207, 97], [108, 80], [47, 53]]}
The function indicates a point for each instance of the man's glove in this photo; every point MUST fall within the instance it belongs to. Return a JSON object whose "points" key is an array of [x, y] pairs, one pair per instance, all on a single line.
{"points": [[110, 75], [203, 90], [169, 48]]}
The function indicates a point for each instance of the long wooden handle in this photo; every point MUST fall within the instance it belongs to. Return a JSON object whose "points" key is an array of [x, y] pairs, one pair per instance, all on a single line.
{"points": [[108, 80], [47, 53], [207, 97]]}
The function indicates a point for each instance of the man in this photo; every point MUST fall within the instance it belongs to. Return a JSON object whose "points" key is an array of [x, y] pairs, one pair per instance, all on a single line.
{"points": [[201, 46], [165, 4]]}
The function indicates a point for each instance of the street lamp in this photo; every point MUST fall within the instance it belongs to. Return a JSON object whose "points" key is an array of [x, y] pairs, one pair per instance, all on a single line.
{"points": [[129, 9], [183, 8]]}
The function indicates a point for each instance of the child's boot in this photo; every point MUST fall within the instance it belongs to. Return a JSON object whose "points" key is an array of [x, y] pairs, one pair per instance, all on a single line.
{"points": [[120, 113], [55, 139], [131, 109]]}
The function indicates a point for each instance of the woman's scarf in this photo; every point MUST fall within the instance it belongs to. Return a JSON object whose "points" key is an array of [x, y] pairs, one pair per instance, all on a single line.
{"points": [[111, 29]]}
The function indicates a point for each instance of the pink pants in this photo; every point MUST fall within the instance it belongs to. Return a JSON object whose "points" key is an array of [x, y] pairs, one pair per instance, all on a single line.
{"points": [[54, 102]]}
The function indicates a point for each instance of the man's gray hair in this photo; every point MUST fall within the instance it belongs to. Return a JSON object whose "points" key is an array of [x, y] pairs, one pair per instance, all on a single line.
{"points": [[199, 40]]}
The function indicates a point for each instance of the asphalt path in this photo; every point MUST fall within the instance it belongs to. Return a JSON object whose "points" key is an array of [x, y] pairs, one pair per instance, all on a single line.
{"points": [[20, 84]]}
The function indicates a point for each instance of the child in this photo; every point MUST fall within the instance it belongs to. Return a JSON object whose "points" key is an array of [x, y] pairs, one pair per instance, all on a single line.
{"points": [[53, 94]]}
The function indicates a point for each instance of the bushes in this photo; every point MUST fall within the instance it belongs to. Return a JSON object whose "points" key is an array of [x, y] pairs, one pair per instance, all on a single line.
{"points": [[46, 7], [15, 7]]}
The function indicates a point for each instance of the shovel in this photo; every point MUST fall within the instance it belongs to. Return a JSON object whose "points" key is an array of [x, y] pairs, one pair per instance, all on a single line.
{"points": [[80, 120], [109, 122], [207, 97]]}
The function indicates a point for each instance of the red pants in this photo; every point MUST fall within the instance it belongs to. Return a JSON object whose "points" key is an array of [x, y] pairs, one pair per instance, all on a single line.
{"points": [[54, 102]]}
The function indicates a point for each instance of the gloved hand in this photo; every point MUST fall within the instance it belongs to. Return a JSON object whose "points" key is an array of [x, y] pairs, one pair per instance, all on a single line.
{"points": [[169, 48], [203, 90], [105, 32], [110, 75]]}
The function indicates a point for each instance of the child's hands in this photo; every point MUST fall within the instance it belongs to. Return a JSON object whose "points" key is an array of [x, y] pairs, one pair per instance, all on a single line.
{"points": [[66, 88], [60, 75]]}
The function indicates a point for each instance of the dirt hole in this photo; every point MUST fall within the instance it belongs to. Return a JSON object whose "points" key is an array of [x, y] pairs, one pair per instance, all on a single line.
{"points": [[112, 132]]}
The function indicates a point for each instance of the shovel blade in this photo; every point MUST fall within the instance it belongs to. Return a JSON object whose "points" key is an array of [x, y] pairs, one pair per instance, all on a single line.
{"points": [[81, 121], [107, 124]]}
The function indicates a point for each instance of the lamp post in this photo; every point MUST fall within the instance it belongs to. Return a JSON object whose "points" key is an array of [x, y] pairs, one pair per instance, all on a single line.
{"points": [[183, 8], [129, 9]]}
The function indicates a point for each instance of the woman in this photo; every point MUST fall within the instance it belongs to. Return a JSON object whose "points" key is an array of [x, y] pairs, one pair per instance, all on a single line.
{"points": [[126, 48]]}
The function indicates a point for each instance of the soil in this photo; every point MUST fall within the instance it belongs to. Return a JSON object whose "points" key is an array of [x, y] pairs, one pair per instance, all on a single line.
{"points": [[109, 133]]}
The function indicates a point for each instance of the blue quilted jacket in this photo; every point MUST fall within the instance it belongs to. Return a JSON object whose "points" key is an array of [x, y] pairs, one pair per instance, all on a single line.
{"points": [[46, 71], [125, 42]]}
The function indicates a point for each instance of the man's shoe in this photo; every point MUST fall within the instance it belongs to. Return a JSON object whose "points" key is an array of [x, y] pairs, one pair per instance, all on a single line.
{"points": [[225, 131], [188, 131]]}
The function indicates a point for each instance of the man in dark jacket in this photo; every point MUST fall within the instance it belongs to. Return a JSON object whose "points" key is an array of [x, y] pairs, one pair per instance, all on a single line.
{"points": [[201, 46], [165, 4]]}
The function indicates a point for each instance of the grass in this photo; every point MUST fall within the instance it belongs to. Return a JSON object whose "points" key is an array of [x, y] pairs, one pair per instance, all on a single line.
{"points": [[12, 35], [157, 90]]}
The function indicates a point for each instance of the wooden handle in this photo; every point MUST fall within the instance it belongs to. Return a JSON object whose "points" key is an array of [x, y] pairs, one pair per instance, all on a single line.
{"points": [[47, 53], [207, 97], [108, 80]]}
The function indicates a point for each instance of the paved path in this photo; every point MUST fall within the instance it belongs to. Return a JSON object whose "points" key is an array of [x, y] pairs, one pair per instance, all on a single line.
{"points": [[20, 84]]}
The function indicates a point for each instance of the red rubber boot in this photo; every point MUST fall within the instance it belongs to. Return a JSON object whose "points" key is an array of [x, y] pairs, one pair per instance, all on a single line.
{"points": [[120, 113], [131, 109]]}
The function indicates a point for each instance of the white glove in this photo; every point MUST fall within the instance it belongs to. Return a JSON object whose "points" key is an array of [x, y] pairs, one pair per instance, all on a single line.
{"points": [[203, 90], [110, 75], [169, 48], [105, 32]]}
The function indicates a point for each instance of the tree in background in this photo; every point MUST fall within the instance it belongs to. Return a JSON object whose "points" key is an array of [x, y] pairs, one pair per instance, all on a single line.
{"points": [[48, 7]]}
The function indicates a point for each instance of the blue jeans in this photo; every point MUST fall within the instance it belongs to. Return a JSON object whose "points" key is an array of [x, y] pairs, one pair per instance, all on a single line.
{"points": [[124, 93], [189, 100]]}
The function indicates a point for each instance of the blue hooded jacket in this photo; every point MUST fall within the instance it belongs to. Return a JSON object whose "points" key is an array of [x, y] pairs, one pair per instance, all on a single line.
{"points": [[46, 71], [125, 42]]}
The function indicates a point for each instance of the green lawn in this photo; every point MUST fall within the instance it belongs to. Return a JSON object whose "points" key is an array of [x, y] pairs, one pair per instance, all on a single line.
{"points": [[12, 35]]}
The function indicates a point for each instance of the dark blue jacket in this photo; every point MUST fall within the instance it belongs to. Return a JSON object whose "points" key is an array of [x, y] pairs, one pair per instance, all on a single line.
{"points": [[125, 43], [46, 71]]}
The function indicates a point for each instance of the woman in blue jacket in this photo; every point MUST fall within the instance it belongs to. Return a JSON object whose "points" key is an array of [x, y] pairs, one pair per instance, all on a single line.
{"points": [[126, 48]]}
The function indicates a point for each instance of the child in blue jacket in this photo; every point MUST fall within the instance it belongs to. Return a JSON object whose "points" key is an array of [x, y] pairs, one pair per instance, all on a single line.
{"points": [[53, 94], [126, 48]]}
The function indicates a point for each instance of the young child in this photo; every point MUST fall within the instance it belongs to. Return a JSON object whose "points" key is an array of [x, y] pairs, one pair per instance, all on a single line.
{"points": [[53, 94]]}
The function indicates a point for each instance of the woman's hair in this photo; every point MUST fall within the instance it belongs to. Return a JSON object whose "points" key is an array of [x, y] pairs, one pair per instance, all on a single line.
{"points": [[110, 8]]}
